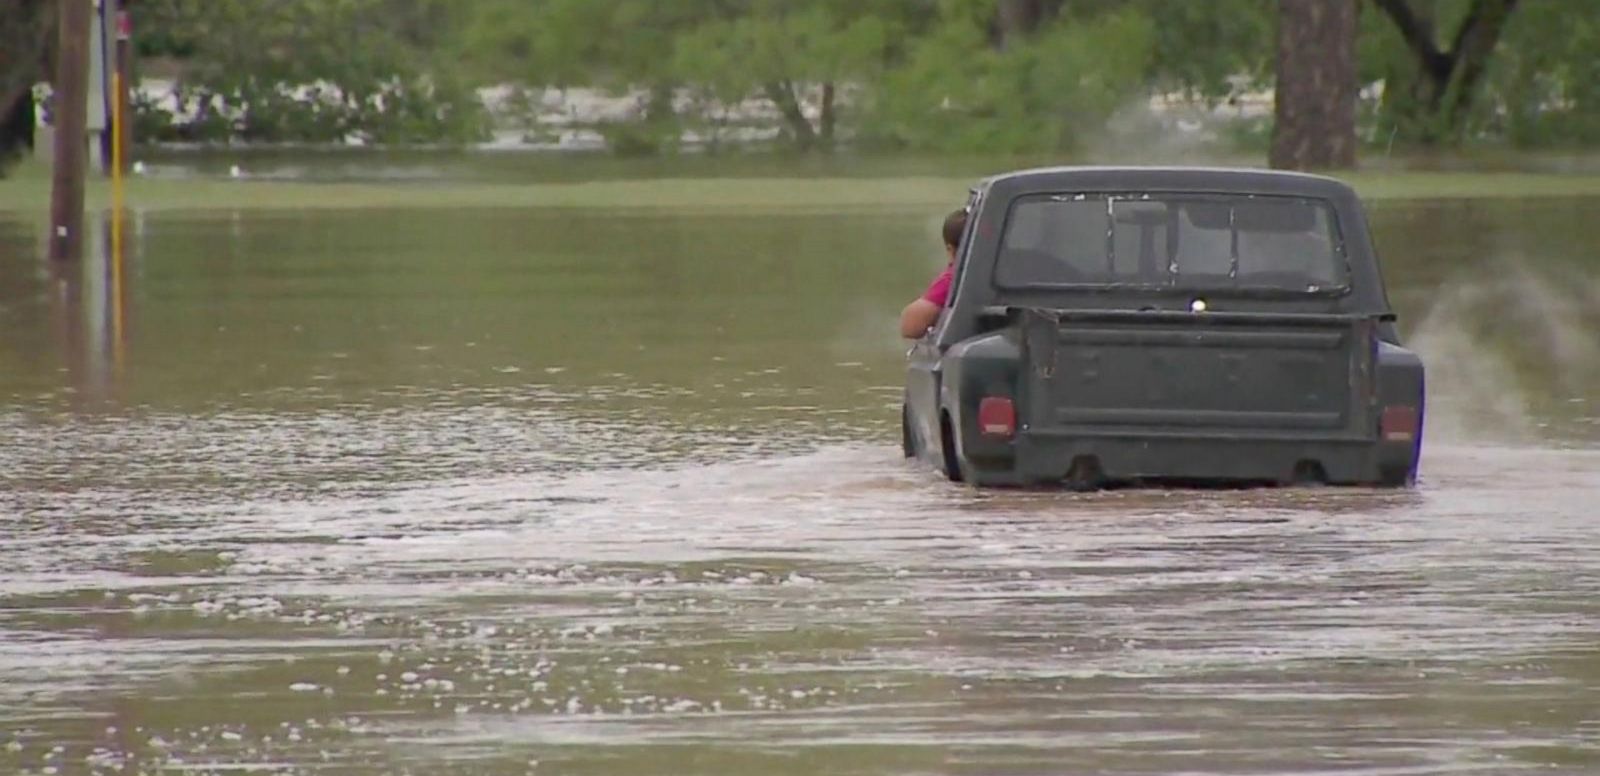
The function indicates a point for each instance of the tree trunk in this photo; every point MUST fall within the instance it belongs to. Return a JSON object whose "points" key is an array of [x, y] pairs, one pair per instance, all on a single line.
{"points": [[1433, 102], [1314, 123], [830, 117], [1016, 20], [782, 94]]}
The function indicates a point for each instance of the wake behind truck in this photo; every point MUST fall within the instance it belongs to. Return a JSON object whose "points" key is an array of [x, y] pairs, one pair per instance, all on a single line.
{"points": [[1143, 325]]}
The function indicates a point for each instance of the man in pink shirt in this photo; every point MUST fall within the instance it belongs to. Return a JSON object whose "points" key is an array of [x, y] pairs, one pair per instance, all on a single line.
{"points": [[922, 313]]}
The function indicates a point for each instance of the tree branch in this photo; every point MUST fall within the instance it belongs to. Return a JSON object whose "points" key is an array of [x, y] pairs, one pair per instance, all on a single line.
{"points": [[1474, 44], [782, 94], [1484, 18], [1418, 35]]}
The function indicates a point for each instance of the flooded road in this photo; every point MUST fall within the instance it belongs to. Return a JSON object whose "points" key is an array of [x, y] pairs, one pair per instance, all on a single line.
{"points": [[576, 492]]}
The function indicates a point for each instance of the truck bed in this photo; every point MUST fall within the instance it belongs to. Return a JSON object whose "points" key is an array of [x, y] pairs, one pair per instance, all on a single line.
{"points": [[1181, 375]]}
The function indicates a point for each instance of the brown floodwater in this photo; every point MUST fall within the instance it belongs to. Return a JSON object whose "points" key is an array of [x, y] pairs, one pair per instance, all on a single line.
{"points": [[511, 492]]}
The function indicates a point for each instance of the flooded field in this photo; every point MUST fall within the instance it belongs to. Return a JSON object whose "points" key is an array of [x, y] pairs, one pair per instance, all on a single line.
{"points": [[506, 492]]}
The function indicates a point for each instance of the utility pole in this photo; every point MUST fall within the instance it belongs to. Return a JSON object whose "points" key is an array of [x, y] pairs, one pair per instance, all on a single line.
{"points": [[70, 108]]}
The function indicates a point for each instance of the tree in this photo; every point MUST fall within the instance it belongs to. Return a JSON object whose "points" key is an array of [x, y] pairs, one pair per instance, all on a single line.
{"points": [[311, 71], [692, 62], [1431, 100], [622, 46], [1204, 48], [1315, 98], [954, 91], [791, 55]]}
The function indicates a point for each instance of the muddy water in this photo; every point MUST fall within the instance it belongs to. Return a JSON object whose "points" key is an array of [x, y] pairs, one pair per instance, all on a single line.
{"points": [[508, 492]]}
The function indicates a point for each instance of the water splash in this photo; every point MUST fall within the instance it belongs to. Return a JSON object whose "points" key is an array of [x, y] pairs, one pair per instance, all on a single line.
{"points": [[1502, 340]]}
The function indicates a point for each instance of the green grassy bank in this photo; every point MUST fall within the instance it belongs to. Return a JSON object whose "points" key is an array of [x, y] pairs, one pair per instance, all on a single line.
{"points": [[28, 191]]}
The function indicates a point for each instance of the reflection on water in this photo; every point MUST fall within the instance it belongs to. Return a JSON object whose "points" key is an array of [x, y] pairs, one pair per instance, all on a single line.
{"points": [[84, 307], [579, 493]]}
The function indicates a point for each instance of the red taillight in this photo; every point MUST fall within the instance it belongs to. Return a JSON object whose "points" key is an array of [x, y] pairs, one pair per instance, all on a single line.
{"points": [[1399, 424], [997, 417]]}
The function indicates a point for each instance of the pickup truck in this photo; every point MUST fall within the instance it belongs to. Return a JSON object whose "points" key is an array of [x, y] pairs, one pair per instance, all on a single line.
{"points": [[1151, 325]]}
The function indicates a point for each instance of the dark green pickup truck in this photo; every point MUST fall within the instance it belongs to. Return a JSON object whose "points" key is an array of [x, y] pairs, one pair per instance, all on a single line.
{"points": [[1111, 326]]}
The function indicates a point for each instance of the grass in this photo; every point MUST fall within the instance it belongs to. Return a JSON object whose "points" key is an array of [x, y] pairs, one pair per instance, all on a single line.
{"points": [[28, 191]]}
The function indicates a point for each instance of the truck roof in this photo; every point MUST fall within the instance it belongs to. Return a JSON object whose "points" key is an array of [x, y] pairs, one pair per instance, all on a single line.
{"points": [[976, 290], [1184, 178]]}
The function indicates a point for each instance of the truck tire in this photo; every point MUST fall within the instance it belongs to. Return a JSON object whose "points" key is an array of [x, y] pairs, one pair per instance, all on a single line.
{"points": [[947, 445], [1397, 477], [908, 443]]}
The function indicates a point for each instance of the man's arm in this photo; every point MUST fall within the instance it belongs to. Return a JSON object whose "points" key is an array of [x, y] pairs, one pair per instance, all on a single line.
{"points": [[922, 314], [917, 318]]}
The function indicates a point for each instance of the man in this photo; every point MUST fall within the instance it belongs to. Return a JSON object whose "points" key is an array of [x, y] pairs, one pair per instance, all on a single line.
{"points": [[921, 314]]}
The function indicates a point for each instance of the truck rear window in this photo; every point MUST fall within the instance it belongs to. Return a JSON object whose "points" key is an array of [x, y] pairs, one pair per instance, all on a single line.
{"points": [[1205, 241]]}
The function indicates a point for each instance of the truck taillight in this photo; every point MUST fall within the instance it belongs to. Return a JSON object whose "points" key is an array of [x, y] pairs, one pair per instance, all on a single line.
{"points": [[997, 417], [1398, 424]]}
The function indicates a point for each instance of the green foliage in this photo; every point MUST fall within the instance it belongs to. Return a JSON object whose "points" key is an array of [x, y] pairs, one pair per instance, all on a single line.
{"points": [[733, 58], [615, 45], [789, 54], [904, 73], [313, 71], [1205, 49], [1545, 86], [957, 92], [937, 75], [618, 44]]}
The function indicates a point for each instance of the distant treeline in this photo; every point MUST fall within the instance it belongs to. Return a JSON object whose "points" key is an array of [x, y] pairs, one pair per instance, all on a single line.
{"points": [[936, 75]]}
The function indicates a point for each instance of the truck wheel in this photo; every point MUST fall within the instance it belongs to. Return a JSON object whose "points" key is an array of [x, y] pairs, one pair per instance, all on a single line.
{"points": [[1397, 477], [1084, 475], [947, 443], [908, 443]]}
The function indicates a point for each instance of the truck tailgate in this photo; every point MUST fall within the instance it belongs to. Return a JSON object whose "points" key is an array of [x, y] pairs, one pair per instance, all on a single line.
{"points": [[1097, 373]]}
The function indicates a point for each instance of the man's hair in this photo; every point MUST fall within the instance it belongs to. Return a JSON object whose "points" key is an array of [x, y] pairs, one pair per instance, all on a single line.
{"points": [[954, 225]]}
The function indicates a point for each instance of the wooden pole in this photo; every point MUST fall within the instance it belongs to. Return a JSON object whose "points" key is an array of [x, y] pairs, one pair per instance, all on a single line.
{"points": [[70, 103]]}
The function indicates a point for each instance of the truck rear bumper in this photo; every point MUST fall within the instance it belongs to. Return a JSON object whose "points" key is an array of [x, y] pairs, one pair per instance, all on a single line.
{"points": [[1042, 457]]}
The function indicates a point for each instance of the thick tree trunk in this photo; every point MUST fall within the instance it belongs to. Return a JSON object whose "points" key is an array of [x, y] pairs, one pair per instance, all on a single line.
{"points": [[1315, 115], [1433, 102]]}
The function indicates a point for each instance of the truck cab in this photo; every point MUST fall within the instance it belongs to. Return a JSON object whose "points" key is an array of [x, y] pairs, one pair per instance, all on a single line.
{"points": [[1111, 326]]}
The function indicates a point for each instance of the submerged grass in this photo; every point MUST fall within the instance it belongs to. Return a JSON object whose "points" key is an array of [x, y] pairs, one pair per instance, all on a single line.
{"points": [[28, 191]]}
